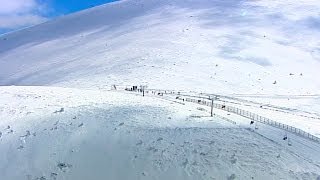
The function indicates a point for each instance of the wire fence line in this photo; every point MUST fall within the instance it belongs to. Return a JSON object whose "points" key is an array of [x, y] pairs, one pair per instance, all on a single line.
{"points": [[206, 101]]}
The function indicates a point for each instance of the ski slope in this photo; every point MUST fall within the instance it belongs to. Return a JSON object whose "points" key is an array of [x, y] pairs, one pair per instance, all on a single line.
{"points": [[59, 121], [59, 133]]}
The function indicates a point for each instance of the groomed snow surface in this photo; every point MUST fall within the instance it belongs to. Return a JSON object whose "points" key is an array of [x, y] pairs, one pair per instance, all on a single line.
{"points": [[61, 133]]}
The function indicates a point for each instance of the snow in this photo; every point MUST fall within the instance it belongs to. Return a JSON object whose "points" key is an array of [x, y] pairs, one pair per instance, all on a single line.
{"points": [[172, 45], [103, 134], [304, 120], [58, 119]]}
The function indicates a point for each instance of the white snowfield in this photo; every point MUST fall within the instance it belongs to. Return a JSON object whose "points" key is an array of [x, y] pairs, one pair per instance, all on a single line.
{"points": [[232, 46], [60, 133], [59, 121]]}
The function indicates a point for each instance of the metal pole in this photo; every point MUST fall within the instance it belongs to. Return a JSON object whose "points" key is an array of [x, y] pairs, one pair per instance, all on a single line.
{"points": [[211, 107]]}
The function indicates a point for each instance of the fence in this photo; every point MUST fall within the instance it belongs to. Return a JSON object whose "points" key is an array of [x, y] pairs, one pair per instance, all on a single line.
{"points": [[257, 118], [202, 100]]}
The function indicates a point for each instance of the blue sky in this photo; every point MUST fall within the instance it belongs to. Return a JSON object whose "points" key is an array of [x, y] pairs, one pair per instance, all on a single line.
{"points": [[17, 14]]}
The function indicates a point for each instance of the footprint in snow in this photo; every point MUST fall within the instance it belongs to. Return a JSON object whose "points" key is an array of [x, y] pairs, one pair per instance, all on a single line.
{"points": [[202, 154], [80, 125], [27, 134], [121, 124], [10, 132], [55, 128], [53, 176], [64, 167]]}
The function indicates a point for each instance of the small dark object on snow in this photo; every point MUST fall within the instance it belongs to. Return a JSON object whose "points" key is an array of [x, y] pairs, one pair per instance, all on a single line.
{"points": [[121, 124], [275, 82], [80, 125], [285, 138], [223, 106], [251, 122], [63, 166]]}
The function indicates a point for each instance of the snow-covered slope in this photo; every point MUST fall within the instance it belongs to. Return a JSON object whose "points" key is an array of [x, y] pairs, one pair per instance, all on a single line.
{"points": [[70, 134], [234, 46], [238, 48]]}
